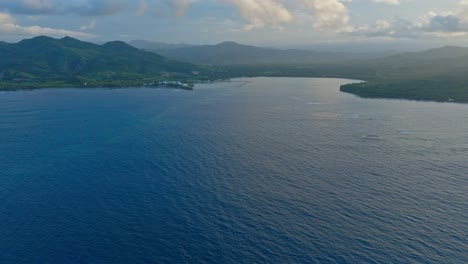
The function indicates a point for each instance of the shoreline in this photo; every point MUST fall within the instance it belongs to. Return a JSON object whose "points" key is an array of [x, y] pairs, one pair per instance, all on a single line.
{"points": [[412, 90], [405, 90]]}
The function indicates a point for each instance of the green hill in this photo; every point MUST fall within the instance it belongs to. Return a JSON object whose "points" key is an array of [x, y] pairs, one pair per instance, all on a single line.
{"points": [[437, 74], [47, 61]]}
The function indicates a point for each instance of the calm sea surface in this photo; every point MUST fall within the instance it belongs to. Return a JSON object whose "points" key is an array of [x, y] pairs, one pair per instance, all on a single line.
{"points": [[271, 170]]}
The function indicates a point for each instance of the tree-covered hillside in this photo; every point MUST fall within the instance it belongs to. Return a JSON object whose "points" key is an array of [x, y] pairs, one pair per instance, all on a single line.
{"points": [[70, 61]]}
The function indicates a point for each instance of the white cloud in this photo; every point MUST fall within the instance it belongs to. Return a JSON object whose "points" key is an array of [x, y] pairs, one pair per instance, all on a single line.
{"points": [[388, 2], [328, 14], [321, 15], [260, 13], [9, 27], [6, 18], [435, 24], [264, 13]]}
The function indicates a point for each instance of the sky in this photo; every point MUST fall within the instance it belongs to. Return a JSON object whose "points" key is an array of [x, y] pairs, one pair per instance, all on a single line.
{"points": [[279, 23]]}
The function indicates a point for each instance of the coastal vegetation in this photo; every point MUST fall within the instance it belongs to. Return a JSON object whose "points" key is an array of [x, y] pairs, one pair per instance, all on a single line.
{"points": [[67, 62], [427, 90], [437, 74]]}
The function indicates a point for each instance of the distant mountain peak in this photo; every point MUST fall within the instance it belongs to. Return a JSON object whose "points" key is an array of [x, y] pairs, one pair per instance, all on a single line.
{"points": [[118, 44], [233, 44], [41, 37], [49, 40], [229, 43], [37, 39], [68, 38]]}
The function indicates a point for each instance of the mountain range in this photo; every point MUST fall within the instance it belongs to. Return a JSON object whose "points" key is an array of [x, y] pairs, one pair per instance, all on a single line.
{"points": [[45, 59], [436, 74], [232, 53], [429, 64]]}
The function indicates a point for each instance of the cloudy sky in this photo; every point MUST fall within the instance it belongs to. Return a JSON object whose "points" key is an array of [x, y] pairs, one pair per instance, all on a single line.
{"points": [[260, 22]]}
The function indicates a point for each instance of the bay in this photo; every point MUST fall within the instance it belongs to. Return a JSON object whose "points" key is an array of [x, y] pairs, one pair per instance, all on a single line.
{"points": [[262, 170]]}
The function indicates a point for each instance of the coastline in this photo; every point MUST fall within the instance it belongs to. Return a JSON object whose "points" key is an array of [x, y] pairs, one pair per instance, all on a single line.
{"points": [[176, 84], [414, 90]]}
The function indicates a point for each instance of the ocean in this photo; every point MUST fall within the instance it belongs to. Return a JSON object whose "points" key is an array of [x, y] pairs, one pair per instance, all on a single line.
{"points": [[261, 170]]}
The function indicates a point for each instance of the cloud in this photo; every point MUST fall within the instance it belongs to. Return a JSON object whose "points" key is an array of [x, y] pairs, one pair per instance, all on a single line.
{"points": [[9, 27], [260, 13], [5, 18], [91, 25], [428, 25], [388, 2], [446, 24], [328, 14], [383, 28], [442, 23]]}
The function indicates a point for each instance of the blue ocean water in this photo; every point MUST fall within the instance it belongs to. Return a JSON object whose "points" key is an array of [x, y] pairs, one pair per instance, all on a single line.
{"points": [[273, 170]]}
